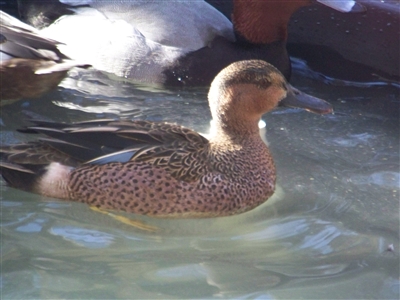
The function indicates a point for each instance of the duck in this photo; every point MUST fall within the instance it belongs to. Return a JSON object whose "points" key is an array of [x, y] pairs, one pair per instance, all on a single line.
{"points": [[30, 64], [160, 169], [184, 43]]}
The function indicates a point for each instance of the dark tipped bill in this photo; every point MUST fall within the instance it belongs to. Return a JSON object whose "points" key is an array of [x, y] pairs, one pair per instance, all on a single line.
{"points": [[297, 99]]}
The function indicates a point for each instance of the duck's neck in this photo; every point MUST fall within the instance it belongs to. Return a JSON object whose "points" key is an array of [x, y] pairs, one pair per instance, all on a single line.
{"points": [[264, 22], [233, 132]]}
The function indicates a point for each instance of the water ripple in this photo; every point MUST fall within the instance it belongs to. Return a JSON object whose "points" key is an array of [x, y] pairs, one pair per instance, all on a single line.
{"points": [[83, 237]]}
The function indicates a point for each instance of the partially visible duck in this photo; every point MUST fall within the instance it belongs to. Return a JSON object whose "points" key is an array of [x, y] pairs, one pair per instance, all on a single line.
{"points": [[160, 169], [30, 64], [169, 42]]}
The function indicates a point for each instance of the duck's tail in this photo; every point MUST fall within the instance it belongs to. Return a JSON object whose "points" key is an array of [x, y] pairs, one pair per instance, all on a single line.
{"points": [[21, 177], [32, 167], [48, 180]]}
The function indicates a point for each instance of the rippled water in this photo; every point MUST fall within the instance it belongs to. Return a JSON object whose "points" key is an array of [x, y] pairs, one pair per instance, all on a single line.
{"points": [[323, 235]]}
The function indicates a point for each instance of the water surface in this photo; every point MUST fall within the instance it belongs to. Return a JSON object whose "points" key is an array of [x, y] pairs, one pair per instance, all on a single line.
{"points": [[323, 235]]}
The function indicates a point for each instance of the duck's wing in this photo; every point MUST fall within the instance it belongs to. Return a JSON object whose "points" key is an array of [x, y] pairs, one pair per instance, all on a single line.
{"points": [[179, 150], [133, 39], [188, 25], [30, 63], [20, 40]]}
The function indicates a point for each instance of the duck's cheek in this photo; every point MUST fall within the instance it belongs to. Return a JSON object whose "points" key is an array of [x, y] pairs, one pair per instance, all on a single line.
{"points": [[274, 95]]}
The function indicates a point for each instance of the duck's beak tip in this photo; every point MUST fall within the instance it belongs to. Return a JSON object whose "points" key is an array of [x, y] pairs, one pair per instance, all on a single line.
{"points": [[297, 99]]}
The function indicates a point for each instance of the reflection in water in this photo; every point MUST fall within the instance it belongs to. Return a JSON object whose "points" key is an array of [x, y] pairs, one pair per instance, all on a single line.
{"points": [[82, 237], [302, 68], [352, 140], [384, 179], [323, 235]]}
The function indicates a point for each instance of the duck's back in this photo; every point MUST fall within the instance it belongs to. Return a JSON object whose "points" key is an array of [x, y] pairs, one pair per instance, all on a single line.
{"points": [[189, 25], [133, 39]]}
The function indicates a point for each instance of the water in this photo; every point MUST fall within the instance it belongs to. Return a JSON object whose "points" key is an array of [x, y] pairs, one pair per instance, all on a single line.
{"points": [[323, 235]]}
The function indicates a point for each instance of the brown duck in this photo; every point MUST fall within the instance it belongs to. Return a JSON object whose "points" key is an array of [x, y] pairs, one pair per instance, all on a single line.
{"points": [[30, 64], [160, 169]]}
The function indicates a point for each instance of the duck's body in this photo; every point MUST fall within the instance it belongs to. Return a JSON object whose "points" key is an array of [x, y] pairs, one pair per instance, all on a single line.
{"points": [[137, 40], [30, 64], [172, 43], [160, 169]]}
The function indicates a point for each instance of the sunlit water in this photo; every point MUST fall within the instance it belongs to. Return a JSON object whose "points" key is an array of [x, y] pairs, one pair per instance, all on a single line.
{"points": [[323, 235]]}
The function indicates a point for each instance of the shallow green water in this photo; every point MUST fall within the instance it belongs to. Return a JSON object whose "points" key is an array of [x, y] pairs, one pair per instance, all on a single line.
{"points": [[323, 235]]}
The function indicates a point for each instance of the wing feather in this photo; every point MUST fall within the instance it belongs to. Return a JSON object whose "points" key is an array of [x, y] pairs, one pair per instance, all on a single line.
{"points": [[179, 150]]}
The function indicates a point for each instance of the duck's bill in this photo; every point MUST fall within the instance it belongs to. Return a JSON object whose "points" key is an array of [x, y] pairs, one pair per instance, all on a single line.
{"points": [[297, 99], [343, 5]]}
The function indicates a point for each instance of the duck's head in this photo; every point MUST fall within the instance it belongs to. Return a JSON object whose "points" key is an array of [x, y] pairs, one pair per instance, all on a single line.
{"points": [[241, 93]]}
